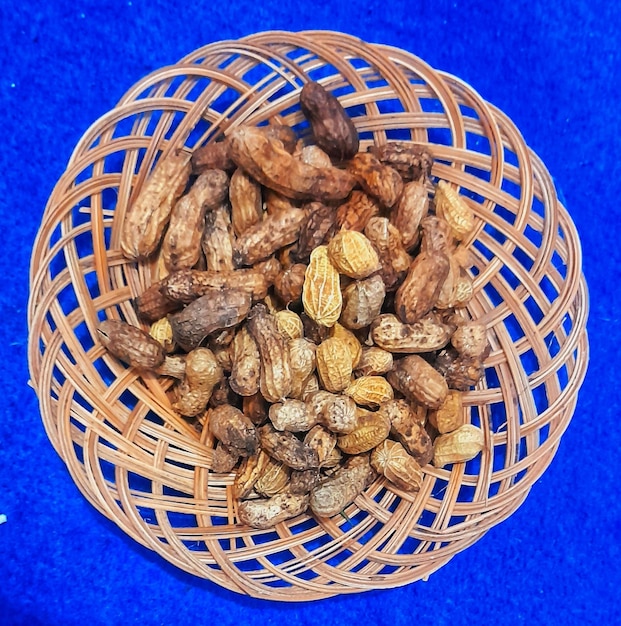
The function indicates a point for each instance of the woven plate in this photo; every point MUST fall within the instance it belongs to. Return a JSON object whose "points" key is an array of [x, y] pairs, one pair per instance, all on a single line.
{"points": [[146, 469]]}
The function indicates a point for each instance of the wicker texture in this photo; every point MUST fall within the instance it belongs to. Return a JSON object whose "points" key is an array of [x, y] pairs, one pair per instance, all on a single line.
{"points": [[144, 467]]}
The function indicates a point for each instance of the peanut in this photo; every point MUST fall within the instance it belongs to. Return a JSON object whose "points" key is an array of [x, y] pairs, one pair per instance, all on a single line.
{"points": [[418, 381], [202, 373], [246, 202], [245, 364], [391, 460], [131, 344], [267, 513], [352, 254], [412, 161], [334, 364], [378, 180], [321, 295], [458, 446]]}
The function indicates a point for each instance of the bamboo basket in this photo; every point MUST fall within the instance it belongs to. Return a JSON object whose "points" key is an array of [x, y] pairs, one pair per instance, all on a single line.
{"points": [[147, 469]]}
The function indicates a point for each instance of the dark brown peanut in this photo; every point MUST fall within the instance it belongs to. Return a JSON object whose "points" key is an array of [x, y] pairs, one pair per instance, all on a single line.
{"points": [[412, 161], [214, 311], [405, 427], [224, 459], [230, 426], [287, 448], [418, 381], [131, 344], [419, 292], [213, 156], [333, 130], [378, 180], [289, 283], [267, 161], [411, 207], [181, 245], [319, 227], [217, 241], [260, 241], [152, 305], [276, 380], [148, 215]]}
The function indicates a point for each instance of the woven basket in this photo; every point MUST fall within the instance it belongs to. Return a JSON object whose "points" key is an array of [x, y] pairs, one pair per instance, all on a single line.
{"points": [[146, 469]]}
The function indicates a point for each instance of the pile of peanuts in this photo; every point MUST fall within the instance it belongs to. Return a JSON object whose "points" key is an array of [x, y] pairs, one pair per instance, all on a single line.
{"points": [[310, 300]]}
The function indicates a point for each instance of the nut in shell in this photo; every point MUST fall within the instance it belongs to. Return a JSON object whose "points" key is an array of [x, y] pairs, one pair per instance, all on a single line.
{"points": [[321, 295], [267, 513], [459, 446], [391, 460], [334, 364], [370, 391], [353, 255], [372, 428], [454, 209]]}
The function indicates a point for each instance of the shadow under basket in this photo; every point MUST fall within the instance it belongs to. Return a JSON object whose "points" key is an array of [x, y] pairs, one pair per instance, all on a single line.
{"points": [[147, 469]]}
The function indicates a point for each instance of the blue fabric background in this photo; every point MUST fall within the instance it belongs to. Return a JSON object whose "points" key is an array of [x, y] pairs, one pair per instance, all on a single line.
{"points": [[553, 67]]}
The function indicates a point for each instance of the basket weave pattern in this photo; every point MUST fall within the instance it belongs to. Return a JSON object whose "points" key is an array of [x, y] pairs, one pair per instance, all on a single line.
{"points": [[145, 468]]}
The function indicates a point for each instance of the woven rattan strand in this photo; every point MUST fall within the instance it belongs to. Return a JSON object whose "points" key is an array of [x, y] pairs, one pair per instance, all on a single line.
{"points": [[146, 469]]}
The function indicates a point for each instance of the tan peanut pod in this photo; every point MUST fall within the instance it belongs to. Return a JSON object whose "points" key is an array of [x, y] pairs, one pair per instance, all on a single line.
{"points": [[230, 426], [289, 324], [147, 217], [338, 491], [362, 302], [353, 345], [391, 460], [370, 391], [411, 207], [311, 386], [303, 362], [412, 161], [186, 286], [213, 156], [334, 364], [223, 459], [333, 130], [181, 246], [417, 380], [419, 292], [321, 295], [161, 331], [246, 201], [267, 161], [202, 373], [274, 478], [131, 344], [470, 340], [248, 473], [374, 361], [454, 209], [217, 240], [212, 312], [289, 283], [276, 380], [355, 213], [245, 364], [260, 241], [407, 427], [372, 428], [335, 412], [173, 366], [286, 447], [292, 415], [394, 260], [425, 335], [378, 180], [315, 156], [321, 440], [450, 415], [319, 227], [458, 446], [267, 513], [353, 255]]}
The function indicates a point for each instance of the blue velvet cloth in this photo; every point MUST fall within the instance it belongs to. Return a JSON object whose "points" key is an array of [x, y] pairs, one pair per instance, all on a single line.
{"points": [[554, 69]]}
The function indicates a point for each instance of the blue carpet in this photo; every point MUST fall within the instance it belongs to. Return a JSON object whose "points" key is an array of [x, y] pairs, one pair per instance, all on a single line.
{"points": [[553, 70]]}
